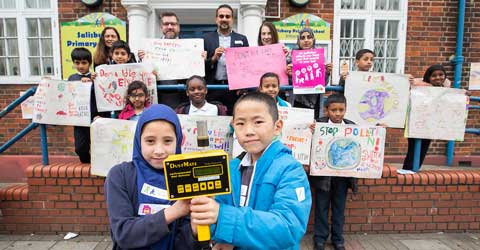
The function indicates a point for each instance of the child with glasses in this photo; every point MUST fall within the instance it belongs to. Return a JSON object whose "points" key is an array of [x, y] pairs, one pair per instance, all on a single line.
{"points": [[137, 101]]}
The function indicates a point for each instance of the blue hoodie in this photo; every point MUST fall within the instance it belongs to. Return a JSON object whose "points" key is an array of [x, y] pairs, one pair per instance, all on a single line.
{"points": [[278, 208]]}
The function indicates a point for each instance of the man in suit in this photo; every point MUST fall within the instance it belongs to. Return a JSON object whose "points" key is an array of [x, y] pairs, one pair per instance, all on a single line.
{"points": [[215, 44]]}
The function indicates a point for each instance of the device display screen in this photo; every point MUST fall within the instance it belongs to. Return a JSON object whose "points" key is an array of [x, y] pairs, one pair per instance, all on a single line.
{"points": [[207, 170]]}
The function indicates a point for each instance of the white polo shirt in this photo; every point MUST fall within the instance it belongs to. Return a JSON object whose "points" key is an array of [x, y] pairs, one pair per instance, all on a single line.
{"points": [[207, 109]]}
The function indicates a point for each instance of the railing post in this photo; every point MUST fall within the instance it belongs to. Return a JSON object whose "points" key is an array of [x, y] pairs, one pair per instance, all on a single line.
{"points": [[43, 138], [416, 154]]}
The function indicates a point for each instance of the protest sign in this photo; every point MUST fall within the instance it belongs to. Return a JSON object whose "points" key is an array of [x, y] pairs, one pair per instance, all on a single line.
{"points": [[375, 98], [62, 103], [347, 150], [296, 133], [308, 71], [437, 113], [474, 80], [27, 106], [246, 65], [111, 144], [175, 58], [219, 134], [112, 81]]}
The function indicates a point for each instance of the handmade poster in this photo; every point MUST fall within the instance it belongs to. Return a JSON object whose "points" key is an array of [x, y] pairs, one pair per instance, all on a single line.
{"points": [[245, 65], [347, 150], [112, 82], [474, 81], [377, 98], [62, 103], [111, 144], [85, 32], [296, 133], [27, 107], [308, 71], [437, 113], [175, 58], [219, 134]]}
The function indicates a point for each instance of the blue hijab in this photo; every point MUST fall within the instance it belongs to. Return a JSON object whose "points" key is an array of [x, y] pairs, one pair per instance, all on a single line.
{"points": [[146, 174]]}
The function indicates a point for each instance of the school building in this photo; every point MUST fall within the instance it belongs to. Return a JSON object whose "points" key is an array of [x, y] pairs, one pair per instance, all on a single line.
{"points": [[407, 37]]}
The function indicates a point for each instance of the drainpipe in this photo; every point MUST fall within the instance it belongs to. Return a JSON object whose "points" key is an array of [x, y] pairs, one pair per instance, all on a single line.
{"points": [[458, 61]]}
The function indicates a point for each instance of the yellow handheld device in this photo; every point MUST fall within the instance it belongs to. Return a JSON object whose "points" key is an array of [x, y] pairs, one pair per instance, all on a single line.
{"points": [[197, 174]]}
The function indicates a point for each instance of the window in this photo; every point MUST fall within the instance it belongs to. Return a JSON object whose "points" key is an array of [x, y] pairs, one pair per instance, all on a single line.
{"points": [[379, 25], [29, 40]]}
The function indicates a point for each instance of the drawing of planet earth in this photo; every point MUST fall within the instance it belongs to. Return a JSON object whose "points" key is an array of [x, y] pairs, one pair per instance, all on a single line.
{"points": [[375, 104], [343, 153]]}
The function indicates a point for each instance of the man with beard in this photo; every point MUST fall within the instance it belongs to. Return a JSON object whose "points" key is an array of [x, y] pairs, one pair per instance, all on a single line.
{"points": [[171, 30], [215, 44]]}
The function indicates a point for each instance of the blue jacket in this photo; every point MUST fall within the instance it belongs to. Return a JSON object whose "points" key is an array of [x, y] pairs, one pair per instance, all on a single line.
{"points": [[278, 208]]}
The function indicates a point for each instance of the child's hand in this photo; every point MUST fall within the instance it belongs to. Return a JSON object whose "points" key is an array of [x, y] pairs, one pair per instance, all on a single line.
{"points": [[179, 209], [289, 69], [411, 79], [222, 246], [141, 54], [85, 79], [93, 76], [204, 55], [312, 127], [156, 74], [306, 168], [204, 210], [468, 93], [344, 75], [285, 50]]}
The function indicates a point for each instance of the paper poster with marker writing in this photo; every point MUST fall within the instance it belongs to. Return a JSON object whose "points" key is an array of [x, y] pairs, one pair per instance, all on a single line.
{"points": [[296, 133], [377, 98], [347, 150]]}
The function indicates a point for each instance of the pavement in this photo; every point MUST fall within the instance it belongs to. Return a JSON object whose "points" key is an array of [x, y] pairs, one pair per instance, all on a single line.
{"points": [[431, 241]]}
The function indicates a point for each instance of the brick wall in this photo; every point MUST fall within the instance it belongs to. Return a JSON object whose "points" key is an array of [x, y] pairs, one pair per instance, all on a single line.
{"points": [[430, 39], [65, 198]]}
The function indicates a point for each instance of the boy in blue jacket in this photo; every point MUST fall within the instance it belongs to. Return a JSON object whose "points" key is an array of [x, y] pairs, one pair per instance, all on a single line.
{"points": [[270, 200]]}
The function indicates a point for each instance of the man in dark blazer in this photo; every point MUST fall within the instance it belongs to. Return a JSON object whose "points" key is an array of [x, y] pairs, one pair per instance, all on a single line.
{"points": [[215, 44]]}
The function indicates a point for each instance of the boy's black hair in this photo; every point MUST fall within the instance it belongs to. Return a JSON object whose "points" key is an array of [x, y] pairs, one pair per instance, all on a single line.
{"points": [[431, 69], [81, 54], [134, 86], [120, 44], [268, 74], [336, 98], [195, 77], [262, 98], [362, 52], [224, 6]]}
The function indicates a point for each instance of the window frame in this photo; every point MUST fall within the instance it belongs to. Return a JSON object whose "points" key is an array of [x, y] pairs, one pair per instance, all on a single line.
{"points": [[370, 15], [21, 14]]}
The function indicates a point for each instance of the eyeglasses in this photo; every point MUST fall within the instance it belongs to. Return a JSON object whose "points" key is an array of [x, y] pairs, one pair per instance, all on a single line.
{"points": [[168, 24], [135, 96], [224, 16], [306, 37]]}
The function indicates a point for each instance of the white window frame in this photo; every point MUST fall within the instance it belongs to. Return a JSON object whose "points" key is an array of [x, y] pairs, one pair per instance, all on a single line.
{"points": [[370, 15], [21, 13]]}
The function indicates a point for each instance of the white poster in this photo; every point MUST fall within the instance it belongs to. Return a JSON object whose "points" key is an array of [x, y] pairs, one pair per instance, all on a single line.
{"points": [[377, 98], [347, 150], [219, 133], [112, 143], [437, 113], [474, 80], [175, 58], [112, 81], [62, 103], [296, 133], [27, 107]]}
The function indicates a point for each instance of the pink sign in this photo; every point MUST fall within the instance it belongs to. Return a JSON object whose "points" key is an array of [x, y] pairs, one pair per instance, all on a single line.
{"points": [[308, 73], [246, 65]]}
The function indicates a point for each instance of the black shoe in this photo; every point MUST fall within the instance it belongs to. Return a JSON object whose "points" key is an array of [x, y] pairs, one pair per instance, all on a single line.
{"points": [[319, 246], [339, 246]]}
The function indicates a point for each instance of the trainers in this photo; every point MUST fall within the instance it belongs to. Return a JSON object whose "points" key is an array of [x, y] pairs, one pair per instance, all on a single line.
{"points": [[339, 246]]}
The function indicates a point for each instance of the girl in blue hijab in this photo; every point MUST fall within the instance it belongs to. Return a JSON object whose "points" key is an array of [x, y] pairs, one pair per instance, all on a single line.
{"points": [[141, 217]]}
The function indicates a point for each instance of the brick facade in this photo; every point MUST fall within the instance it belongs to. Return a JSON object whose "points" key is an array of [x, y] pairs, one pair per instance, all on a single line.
{"points": [[431, 36], [65, 198]]}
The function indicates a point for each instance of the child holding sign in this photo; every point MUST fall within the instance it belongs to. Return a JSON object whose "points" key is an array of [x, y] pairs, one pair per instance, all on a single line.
{"points": [[331, 190], [137, 101], [141, 217], [270, 85], [363, 59], [270, 200], [121, 53]]}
